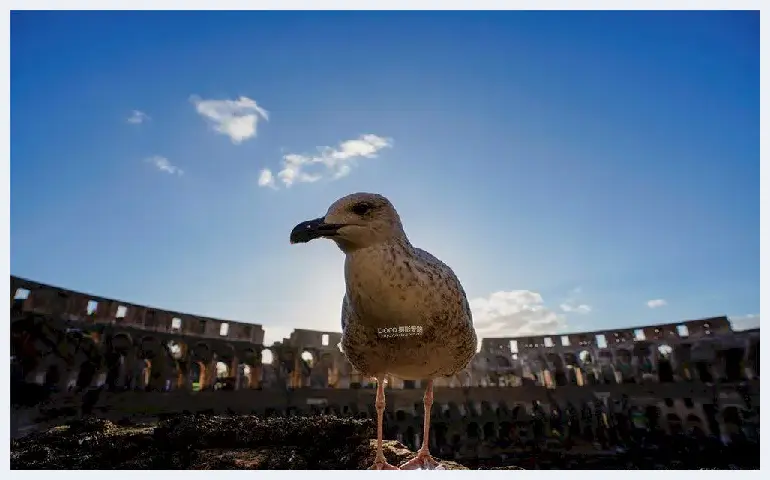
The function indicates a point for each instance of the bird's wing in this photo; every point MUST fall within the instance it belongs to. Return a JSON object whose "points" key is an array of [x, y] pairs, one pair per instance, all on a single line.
{"points": [[428, 258]]}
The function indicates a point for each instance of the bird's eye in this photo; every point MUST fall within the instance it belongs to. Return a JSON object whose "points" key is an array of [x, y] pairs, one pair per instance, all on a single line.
{"points": [[361, 208]]}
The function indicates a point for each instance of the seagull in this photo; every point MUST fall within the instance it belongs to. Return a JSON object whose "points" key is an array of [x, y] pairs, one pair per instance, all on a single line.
{"points": [[404, 312]]}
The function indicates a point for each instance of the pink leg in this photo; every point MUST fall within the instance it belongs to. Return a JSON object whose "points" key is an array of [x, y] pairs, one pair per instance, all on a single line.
{"points": [[379, 460], [423, 460]]}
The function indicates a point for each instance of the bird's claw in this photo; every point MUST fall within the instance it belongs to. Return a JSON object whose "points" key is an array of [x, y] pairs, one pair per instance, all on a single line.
{"points": [[423, 461]]}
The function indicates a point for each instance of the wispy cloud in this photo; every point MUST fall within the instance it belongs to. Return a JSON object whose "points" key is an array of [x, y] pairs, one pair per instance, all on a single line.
{"points": [[329, 162], [657, 303], [237, 119], [266, 179], [164, 165], [137, 117], [581, 308], [572, 303]]}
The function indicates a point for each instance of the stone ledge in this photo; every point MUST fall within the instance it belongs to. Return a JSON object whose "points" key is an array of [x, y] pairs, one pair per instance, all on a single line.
{"points": [[210, 443]]}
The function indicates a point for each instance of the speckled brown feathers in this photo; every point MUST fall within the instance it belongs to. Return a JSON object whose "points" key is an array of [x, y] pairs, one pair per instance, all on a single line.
{"points": [[392, 285]]}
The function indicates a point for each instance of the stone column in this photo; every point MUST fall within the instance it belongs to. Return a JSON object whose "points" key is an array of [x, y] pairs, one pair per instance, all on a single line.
{"points": [[256, 376], [211, 372], [236, 372]]}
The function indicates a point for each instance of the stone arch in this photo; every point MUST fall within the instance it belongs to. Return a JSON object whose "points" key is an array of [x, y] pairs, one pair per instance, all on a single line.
{"points": [[606, 366], [440, 432], [642, 349], [674, 423], [490, 431], [177, 360], [53, 376], [694, 424], [266, 356], [452, 412], [586, 358], [652, 414], [86, 374], [501, 361], [731, 418], [473, 431], [504, 431], [120, 342], [559, 375], [145, 370], [665, 363], [572, 363], [733, 362], [624, 365]]}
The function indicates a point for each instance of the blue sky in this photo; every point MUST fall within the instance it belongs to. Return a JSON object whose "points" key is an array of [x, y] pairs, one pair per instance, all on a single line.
{"points": [[570, 166]]}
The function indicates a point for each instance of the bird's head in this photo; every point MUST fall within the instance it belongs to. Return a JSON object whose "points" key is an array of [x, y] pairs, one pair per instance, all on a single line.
{"points": [[356, 221]]}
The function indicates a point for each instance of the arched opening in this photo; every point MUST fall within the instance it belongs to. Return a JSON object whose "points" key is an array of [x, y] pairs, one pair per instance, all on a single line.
{"points": [[694, 424], [52, 377], [490, 432], [223, 376], [624, 366], [674, 423], [85, 374], [734, 364], [197, 375], [504, 432], [409, 438], [114, 363], [704, 372], [652, 414], [244, 376], [145, 372], [586, 358], [587, 367], [472, 431], [308, 358], [665, 369], [439, 431], [267, 356], [733, 422], [559, 375]]}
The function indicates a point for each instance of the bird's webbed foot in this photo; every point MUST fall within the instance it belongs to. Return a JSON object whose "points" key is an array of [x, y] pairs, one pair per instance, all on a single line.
{"points": [[382, 464], [423, 461]]}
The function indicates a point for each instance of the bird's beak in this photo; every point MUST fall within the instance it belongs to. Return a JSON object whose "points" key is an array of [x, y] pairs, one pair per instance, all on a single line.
{"points": [[312, 229]]}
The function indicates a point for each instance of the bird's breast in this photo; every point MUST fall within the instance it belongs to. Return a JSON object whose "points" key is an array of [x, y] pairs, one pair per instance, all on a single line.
{"points": [[384, 289]]}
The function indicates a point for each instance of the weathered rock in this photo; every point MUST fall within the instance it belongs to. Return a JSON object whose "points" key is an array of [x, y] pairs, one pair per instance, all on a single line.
{"points": [[209, 442]]}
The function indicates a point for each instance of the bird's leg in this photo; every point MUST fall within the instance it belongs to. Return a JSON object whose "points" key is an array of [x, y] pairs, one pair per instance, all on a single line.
{"points": [[379, 460], [423, 460]]}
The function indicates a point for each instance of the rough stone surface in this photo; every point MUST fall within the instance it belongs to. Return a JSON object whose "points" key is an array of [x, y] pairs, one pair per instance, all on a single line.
{"points": [[209, 443]]}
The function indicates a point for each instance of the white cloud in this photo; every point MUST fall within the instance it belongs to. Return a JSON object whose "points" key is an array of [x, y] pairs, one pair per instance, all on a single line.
{"points": [[514, 313], [745, 322], [569, 308], [330, 162], [237, 119], [656, 303], [164, 165], [137, 117], [266, 178]]}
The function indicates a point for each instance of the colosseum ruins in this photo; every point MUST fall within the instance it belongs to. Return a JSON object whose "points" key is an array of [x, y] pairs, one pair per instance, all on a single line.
{"points": [[691, 374]]}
